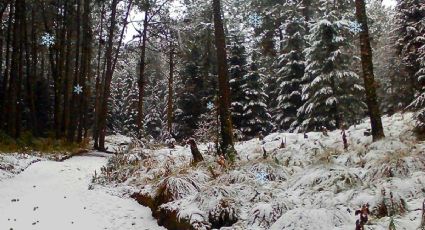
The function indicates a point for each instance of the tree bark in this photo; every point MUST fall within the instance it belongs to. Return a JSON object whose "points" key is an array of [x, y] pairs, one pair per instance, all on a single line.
{"points": [[227, 145], [141, 82], [3, 76], [98, 80], [170, 88], [368, 76], [85, 69], [12, 102], [31, 71], [75, 98], [110, 67]]}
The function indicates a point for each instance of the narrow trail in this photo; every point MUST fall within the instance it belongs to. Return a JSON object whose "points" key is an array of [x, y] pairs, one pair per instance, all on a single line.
{"points": [[54, 195]]}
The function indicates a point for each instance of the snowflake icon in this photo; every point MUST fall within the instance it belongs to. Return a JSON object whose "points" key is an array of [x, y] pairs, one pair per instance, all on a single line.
{"points": [[210, 105], [355, 27], [78, 89], [255, 20], [261, 177], [47, 40]]}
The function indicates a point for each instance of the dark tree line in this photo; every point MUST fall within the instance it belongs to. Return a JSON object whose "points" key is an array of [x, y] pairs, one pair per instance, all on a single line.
{"points": [[69, 70]]}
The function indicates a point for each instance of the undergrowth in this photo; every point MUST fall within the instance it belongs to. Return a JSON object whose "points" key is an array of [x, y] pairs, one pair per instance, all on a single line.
{"points": [[27, 143]]}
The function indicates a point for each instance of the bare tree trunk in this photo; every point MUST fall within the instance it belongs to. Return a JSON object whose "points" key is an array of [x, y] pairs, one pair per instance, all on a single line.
{"points": [[85, 69], [170, 88], [3, 76], [98, 80], [227, 145], [141, 82], [14, 83], [368, 76], [68, 81], [6, 82], [75, 98], [30, 50], [110, 67]]}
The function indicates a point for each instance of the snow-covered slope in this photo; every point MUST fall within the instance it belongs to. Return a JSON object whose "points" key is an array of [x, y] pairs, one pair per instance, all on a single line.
{"points": [[310, 183]]}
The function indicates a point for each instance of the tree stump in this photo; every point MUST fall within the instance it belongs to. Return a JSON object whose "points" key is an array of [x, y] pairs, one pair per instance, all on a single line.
{"points": [[422, 226], [197, 156]]}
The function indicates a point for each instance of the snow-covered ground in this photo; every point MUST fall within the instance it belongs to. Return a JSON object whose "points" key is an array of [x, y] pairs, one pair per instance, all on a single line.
{"points": [[310, 183], [52, 195], [12, 164]]}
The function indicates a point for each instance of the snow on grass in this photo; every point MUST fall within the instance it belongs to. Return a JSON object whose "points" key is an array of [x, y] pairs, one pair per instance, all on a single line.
{"points": [[305, 183], [52, 195], [12, 164]]}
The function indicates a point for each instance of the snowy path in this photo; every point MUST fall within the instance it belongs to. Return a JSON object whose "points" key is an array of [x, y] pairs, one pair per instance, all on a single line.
{"points": [[54, 195]]}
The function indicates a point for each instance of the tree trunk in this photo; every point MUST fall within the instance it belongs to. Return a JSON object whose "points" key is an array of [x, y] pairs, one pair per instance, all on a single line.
{"points": [[3, 76], [98, 80], [170, 88], [75, 98], [368, 76], [110, 67], [12, 102], [85, 69], [68, 81], [223, 82], [4, 117], [141, 82], [30, 50]]}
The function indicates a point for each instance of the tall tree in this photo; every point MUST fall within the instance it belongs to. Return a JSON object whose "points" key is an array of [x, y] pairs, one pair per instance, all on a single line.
{"points": [[368, 76], [331, 91], [292, 67], [255, 118], [110, 68], [227, 145]]}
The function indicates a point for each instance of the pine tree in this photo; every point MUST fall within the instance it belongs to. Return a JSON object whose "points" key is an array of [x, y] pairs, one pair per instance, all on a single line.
{"points": [[256, 119], [292, 68], [331, 93], [419, 102], [189, 104], [410, 19], [237, 64]]}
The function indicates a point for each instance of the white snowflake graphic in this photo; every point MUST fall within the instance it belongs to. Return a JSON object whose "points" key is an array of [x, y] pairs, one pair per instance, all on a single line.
{"points": [[210, 105], [78, 89], [355, 27], [255, 20], [261, 177], [47, 40]]}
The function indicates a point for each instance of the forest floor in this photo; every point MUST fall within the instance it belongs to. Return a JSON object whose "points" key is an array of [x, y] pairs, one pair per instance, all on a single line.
{"points": [[311, 182], [52, 195]]}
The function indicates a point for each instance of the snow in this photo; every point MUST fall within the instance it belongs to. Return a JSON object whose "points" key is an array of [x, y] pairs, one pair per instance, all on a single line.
{"points": [[55, 195], [15, 163], [311, 183]]}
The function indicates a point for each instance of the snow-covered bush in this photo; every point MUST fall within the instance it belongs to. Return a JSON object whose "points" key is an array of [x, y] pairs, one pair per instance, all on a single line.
{"points": [[333, 179], [265, 214], [389, 204], [174, 188]]}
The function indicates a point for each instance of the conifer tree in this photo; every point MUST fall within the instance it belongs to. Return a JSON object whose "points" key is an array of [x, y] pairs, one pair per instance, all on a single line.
{"points": [[410, 18], [237, 68], [255, 119], [331, 93], [292, 65]]}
